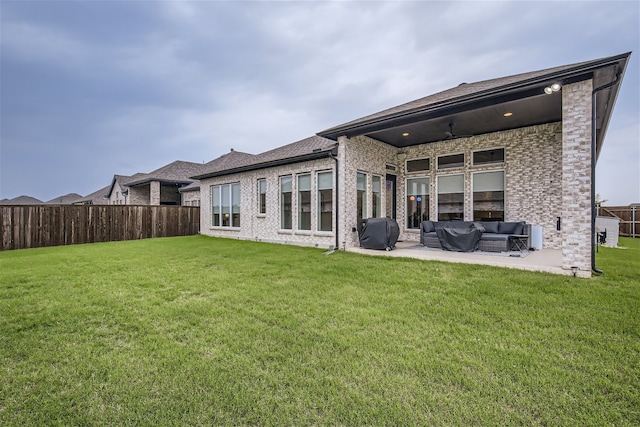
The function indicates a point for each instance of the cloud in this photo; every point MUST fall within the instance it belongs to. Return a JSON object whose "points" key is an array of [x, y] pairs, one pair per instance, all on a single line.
{"points": [[123, 87]]}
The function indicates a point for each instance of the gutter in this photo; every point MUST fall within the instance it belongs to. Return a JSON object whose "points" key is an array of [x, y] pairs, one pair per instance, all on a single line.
{"points": [[593, 169], [334, 155]]}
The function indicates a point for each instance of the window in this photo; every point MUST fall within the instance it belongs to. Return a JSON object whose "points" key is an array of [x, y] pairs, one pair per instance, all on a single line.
{"points": [[262, 196], [488, 196], [304, 202], [450, 197], [325, 201], [488, 157], [285, 202], [418, 165], [361, 205], [417, 201], [451, 161], [225, 205], [376, 196]]}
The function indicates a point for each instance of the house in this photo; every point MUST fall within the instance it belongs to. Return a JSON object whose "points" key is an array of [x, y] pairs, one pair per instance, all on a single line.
{"points": [[21, 200], [67, 199], [160, 187], [98, 197], [516, 148]]}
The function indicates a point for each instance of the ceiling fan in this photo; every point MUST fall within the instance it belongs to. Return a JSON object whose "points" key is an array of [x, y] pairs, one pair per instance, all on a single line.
{"points": [[451, 135]]}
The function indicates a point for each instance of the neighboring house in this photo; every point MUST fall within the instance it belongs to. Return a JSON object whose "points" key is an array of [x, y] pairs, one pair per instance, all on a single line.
{"points": [[161, 186], [118, 191], [191, 193], [21, 200], [67, 199], [517, 148], [98, 197]]}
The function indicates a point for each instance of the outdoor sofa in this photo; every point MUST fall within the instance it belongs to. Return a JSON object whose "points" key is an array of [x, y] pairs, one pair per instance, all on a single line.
{"points": [[497, 236]]}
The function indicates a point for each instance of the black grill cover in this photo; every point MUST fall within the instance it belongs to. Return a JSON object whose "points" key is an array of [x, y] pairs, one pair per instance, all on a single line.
{"points": [[378, 233]]}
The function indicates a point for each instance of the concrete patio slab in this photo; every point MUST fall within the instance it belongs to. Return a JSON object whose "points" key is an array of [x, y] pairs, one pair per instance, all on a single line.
{"points": [[546, 260]]}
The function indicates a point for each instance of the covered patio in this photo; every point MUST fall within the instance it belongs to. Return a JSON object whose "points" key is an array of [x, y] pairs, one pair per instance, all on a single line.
{"points": [[545, 260]]}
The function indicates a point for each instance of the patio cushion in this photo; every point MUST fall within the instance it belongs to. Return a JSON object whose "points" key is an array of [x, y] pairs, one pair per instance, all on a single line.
{"points": [[428, 226], [494, 236], [490, 226], [510, 227]]}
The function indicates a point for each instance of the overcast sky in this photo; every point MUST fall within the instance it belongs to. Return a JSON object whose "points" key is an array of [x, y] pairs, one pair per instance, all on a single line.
{"points": [[97, 88]]}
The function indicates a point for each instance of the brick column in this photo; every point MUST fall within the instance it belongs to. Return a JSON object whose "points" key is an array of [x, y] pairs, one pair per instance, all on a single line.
{"points": [[576, 177], [154, 196]]}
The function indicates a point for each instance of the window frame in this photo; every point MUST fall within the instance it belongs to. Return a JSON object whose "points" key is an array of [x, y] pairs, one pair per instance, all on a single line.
{"points": [[504, 195], [420, 171], [361, 199], [320, 201], [438, 194], [457, 165], [494, 164], [283, 205], [262, 196], [231, 220], [427, 204], [299, 204]]}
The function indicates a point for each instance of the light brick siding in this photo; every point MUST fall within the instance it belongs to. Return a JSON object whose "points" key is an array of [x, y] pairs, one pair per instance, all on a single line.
{"points": [[191, 198], [139, 195], [576, 176], [116, 197], [266, 227], [154, 189], [532, 174]]}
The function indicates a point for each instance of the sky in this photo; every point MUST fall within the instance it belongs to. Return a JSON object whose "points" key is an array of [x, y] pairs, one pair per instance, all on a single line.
{"points": [[90, 89]]}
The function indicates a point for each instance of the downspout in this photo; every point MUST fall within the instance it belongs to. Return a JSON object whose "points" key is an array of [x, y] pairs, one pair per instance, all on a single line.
{"points": [[334, 156], [593, 170]]}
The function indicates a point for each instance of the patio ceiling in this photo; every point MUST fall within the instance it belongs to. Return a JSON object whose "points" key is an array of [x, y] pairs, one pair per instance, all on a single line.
{"points": [[438, 125]]}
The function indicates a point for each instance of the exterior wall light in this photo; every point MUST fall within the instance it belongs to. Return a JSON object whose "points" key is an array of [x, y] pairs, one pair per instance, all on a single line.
{"points": [[553, 88]]}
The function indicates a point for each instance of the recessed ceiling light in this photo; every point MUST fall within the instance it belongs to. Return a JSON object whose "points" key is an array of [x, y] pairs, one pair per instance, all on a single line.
{"points": [[508, 114], [405, 134]]}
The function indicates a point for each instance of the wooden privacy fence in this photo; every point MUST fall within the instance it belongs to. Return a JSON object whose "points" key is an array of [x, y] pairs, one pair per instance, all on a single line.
{"points": [[34, 226], [629, 217]]}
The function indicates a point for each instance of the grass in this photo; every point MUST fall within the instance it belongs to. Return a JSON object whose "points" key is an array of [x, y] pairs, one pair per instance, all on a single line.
{"points": [[204, 331]]}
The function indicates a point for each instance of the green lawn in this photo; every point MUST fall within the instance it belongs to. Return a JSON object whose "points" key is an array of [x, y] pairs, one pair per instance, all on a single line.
{"points": [[203, 331]]}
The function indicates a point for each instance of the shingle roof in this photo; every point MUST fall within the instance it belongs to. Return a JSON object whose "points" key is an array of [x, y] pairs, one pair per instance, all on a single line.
{"points": [[178, 171], [98, 197], [67, 199], [305, 149], [21, 200]]}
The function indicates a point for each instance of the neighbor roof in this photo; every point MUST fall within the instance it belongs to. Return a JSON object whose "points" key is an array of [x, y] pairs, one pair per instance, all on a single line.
{"points": [[471, 107], [177, 172], [310, 148], [67, 199]]}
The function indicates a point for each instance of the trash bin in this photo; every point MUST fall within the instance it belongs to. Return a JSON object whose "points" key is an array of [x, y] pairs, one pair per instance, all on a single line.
{"points": [[378, 233]]}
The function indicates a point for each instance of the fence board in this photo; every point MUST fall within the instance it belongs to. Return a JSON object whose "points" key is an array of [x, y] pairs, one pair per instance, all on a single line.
{"points": [[629, 217], [34, 226]]}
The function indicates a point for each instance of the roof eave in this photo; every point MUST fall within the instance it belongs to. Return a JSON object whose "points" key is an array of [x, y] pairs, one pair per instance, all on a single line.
{"points": [[575, 74], [320, 154]]}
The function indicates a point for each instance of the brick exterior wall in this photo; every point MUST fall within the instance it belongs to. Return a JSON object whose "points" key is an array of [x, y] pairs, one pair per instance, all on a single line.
{"points": [[576, 176], [154, 193], [266, 228], [532, 174], [139, 195], [191, 198], [116, 197]]}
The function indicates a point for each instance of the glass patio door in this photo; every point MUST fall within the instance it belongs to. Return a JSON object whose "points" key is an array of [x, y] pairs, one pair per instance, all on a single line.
{"points": [[390, 187]]}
